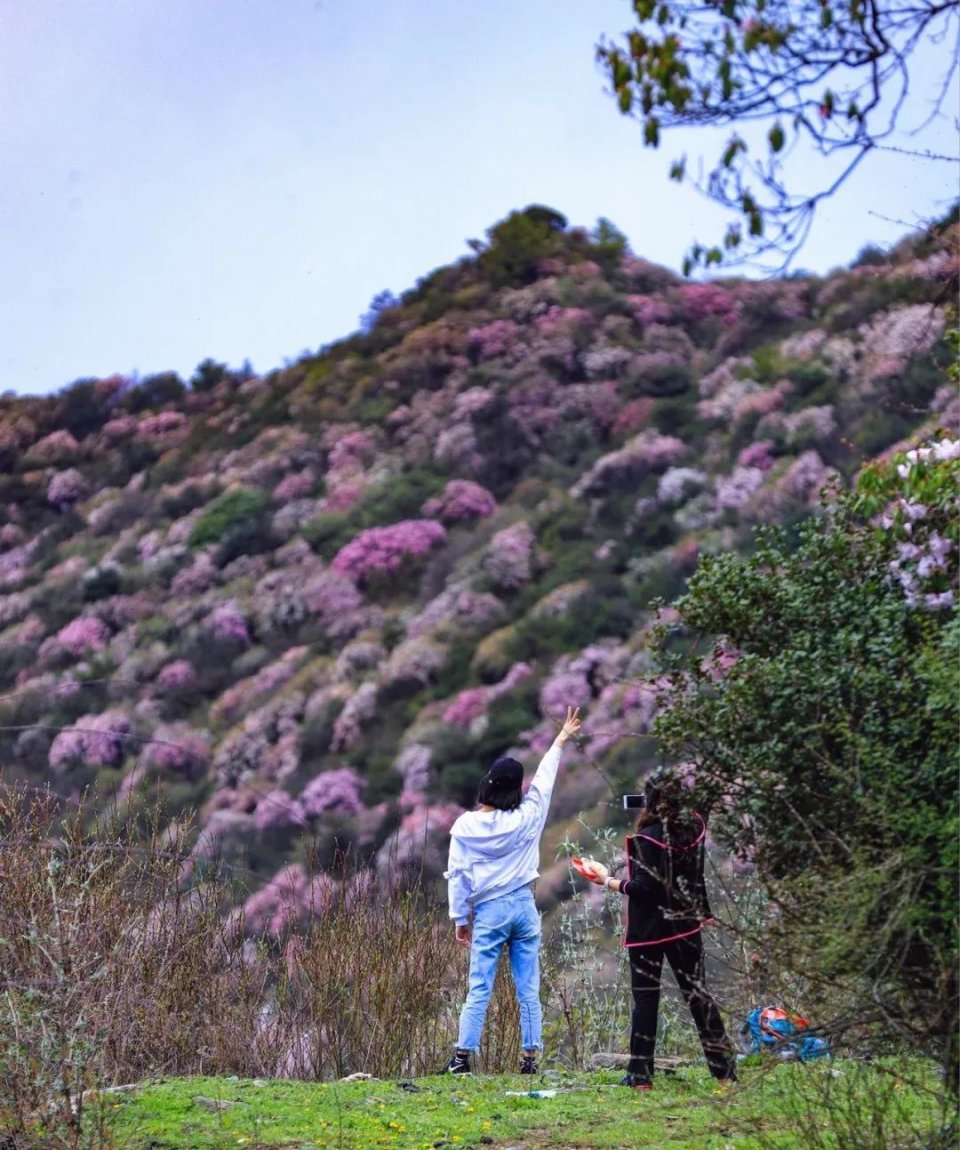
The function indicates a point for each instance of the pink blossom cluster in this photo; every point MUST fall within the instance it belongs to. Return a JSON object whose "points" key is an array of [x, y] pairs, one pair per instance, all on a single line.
{"points": [[461, 499], [605, 360], [461, 609], [13, 607], [14, 564], [418, 660], [757, 454], [386, 549], [84, 635], [337, 604], [11, 535], [646, 453], [197, 578], [648, 309], [510, 556], [567, 685], [296, 485], [420, 841], [558, 320], [699, 301], [356, 659], [413, 765], [228, 623], [179, 749], [53, 448], [66, 488], [358, 711], [16, 431], [290, 897], [735, 490], [163, 426], [473, 702], [120, 427], [278, 809], [338, 790], [176, 676], [267, 681], [494, 339], [94, 740], [677, 484]]}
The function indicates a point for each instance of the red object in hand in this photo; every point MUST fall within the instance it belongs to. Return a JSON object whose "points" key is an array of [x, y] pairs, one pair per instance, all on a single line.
{"points": [[583, 868]]}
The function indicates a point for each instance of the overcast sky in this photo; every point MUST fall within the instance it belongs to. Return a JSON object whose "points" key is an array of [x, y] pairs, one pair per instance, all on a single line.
{"points": [[238, 178]]}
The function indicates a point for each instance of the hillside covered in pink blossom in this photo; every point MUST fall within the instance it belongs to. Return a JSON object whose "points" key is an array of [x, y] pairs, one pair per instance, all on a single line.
{"points": [[312, 606]]}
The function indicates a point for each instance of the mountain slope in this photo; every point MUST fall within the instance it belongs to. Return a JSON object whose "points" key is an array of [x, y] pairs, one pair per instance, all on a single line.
{"points": [[314, 605]]}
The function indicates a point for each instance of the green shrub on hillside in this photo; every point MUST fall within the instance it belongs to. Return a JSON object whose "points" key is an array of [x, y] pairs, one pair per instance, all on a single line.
{"points": [[227, 513]]}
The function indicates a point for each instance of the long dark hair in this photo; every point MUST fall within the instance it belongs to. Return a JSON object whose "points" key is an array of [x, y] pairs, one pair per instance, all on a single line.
{"points": [[663, 802], [501, 794]]}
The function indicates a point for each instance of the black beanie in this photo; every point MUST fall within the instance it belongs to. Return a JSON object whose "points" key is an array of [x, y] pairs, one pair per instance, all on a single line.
{"points": [[506, 772]]}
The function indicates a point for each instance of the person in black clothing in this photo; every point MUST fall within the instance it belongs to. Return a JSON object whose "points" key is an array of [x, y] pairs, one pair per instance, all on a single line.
{"points": [[666, 911]]}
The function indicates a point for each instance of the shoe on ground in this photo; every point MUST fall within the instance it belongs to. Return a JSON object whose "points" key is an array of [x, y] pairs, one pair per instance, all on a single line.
{"points": [[528, 1065], [458, 1064], [636, 1082]]}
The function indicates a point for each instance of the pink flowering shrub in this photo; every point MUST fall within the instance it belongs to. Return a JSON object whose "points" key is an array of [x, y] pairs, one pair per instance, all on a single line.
{"points": [[119, 428], [338, 790], [197, 578], [94, 741], [643, 455], [699, 301], [509, 560], [473, 702], [277, 809], [177, 749], [57, 447], [458, 609], [84, 635], [163, 427], [420, 841], [757, 455], [415, 660], [380, 550], [494, 339], [66, 488], [461, 499], [227, 622], [177, 676], [737, 489], [358, 711], [649, 309], [289, 898], [296, 485], [413, 764]]}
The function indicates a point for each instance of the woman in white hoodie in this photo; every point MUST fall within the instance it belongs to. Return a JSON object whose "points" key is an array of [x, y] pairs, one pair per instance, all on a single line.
{"points": [[494, 860]]}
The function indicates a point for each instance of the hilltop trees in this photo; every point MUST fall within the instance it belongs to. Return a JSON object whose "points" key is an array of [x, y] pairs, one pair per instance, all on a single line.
{"points": [[827, 77]]}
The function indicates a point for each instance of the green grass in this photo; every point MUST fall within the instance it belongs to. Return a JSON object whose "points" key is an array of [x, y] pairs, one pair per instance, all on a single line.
{"points": [[773, 1106]]}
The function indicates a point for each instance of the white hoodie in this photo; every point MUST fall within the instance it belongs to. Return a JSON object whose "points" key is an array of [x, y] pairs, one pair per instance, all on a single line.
{"points": [[496, 852]]}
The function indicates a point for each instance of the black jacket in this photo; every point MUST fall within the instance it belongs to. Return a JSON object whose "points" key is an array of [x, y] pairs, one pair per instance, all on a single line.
{"points": [[666, 893]]}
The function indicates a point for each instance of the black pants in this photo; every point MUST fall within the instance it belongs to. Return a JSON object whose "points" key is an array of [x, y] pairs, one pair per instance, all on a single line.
{"points": [[685, 956]]}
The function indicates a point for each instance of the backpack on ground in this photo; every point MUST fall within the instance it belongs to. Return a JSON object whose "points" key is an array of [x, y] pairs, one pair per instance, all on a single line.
{"points": [[771, 1029]]}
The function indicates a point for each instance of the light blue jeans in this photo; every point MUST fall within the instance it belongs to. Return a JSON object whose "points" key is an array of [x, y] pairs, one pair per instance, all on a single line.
{"points": [[511, 920]]}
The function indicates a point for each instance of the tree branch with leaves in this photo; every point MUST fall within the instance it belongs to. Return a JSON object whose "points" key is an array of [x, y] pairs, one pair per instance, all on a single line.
{"points": [[827, 76]]}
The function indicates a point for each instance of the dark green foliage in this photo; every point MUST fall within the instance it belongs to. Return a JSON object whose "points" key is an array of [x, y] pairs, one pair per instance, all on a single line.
{"points": [[154, 391], [226, 514], [519, 242], [208, 374], [101, 583], [829, 751], [81, 409]]}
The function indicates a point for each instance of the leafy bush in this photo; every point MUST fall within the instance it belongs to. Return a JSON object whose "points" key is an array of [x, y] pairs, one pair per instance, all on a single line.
{"points": [[229, 512]]}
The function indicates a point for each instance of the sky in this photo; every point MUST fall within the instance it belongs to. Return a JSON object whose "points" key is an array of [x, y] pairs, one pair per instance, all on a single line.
{"points": [[237, 179]]}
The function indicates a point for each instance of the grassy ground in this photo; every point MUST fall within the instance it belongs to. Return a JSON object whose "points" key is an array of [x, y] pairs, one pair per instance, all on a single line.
{"points": [[773, 1106]]}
